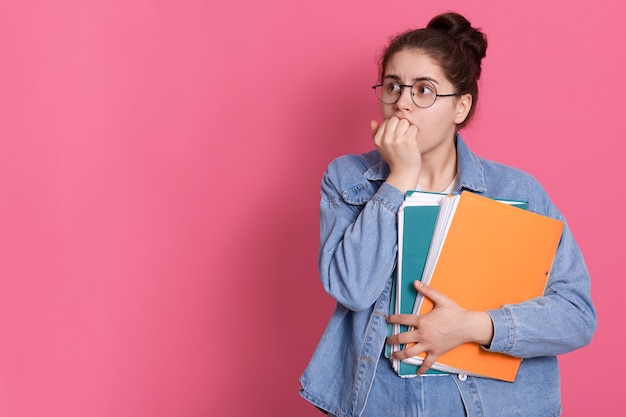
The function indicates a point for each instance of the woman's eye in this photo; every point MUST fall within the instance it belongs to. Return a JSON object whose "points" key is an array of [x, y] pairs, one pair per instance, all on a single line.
{"points": [[392, 87], [423, 89]]}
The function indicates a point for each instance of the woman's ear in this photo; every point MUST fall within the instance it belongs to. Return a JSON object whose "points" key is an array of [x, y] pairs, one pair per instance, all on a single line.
{"points": [[463, 107]]}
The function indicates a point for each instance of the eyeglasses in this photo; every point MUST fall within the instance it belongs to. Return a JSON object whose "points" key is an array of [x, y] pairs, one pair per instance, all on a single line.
{"points": [[423, 92]]}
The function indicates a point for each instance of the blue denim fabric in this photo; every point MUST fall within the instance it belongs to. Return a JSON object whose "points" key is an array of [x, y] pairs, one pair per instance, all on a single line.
{"points": [[358, 226]]}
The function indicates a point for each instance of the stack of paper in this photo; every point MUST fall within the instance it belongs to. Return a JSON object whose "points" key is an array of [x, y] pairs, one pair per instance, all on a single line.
{"points": [[481, 253]]}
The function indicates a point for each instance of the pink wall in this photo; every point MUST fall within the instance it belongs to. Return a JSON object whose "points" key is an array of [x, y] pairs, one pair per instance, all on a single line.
{"points": [[159, 183]]}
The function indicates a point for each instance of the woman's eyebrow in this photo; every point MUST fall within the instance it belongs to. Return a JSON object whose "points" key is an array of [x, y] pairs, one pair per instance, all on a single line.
{"points": [[395, 77], [432, 80]]}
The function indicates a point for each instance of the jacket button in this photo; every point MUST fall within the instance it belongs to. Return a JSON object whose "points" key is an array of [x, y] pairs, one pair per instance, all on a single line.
{"points": [[462, 377]]}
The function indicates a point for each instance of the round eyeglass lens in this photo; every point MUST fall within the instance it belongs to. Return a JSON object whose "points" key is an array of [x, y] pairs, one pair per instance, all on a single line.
{"points": [[423, 93]]}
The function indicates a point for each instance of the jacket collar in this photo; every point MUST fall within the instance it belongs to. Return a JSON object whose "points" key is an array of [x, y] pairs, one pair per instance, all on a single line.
{"points": [[470, 168], [379, 171]]}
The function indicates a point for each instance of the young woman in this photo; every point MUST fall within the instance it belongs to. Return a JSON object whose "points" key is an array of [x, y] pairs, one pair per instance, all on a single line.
{"points": [[428, 91]]}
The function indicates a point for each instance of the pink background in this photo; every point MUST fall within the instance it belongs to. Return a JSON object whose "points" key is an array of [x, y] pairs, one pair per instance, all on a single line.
{"points": [[160, 164]]}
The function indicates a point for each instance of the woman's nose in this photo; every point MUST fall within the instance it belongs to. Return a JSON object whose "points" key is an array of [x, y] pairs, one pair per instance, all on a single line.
{"points": [[405, 101]]}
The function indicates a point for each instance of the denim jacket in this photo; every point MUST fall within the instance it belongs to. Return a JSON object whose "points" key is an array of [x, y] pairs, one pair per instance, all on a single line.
{"points": [[357, 257]]}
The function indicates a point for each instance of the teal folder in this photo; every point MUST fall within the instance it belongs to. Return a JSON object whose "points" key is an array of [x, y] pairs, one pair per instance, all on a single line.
{"points": [[416, 223]]}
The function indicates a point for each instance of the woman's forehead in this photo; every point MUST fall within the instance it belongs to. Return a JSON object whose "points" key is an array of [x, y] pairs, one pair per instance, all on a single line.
{"points": [[412, 64]]}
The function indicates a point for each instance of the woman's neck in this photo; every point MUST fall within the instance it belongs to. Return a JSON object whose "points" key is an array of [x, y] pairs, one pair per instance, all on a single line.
{"points": [[438, 171]]}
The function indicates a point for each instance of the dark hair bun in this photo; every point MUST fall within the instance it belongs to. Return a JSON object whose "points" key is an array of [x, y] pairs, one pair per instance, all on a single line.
{"points": [[458, 27]]}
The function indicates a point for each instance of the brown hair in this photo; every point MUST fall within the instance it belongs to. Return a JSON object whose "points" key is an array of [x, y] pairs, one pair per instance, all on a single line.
{"points": [[454, 44]]}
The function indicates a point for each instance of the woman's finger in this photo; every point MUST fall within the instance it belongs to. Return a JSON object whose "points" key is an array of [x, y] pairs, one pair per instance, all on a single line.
{"points": [[433, 295]]}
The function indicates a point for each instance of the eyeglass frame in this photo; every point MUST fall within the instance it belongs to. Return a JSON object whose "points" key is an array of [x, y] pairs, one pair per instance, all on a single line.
{"points": [[411, 91]]}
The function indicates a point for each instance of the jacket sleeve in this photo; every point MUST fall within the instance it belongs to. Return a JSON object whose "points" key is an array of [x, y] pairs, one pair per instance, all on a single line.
{"points": [[358, 236], [562, 320]]}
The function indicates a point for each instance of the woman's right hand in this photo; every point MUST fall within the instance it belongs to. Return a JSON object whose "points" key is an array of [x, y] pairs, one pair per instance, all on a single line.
{"points": [[396, 141]]}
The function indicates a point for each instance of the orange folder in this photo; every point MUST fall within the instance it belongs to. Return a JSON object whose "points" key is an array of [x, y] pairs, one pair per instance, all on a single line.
{"points": [[493, 254]]}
